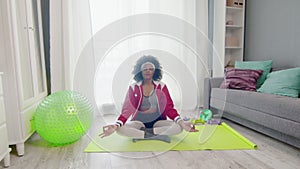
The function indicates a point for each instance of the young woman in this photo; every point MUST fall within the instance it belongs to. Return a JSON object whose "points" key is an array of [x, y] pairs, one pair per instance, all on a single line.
{"points": [[148, 104]]}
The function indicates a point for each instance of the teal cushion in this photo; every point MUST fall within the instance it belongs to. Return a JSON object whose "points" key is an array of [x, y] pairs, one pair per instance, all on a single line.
{"points": [[283, 82], [256, 65]]}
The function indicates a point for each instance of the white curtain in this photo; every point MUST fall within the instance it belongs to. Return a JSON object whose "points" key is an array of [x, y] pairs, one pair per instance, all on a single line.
{"points": [[90, 52]]}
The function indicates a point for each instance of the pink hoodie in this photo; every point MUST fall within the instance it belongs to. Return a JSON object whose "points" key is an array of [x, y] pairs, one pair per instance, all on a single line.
{"points": [[134, 98]]}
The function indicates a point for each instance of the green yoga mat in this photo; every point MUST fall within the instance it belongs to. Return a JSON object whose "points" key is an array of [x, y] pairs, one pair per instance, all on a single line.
{"points": [[209, 137]]}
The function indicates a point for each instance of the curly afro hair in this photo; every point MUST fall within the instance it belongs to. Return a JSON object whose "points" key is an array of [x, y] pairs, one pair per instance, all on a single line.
{"points": [[137, 68]]}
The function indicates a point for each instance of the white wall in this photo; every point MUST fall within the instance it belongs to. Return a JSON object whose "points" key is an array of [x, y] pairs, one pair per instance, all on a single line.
{"points": [[2, 52], [219, 38], [71, 31]]}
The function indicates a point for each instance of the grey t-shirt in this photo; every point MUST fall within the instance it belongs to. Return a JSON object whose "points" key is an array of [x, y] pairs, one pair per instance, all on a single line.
{"points": [[149, 113]]}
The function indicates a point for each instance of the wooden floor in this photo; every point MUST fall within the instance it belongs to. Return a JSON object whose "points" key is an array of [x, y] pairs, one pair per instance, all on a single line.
{"points": [[270, 154]]}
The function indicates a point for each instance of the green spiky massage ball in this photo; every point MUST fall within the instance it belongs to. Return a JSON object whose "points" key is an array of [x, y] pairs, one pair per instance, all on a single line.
{"points": [[63, 117]]}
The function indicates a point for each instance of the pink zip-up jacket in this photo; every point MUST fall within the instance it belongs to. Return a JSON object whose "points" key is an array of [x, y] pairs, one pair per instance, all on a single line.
{"points": [[134, 99]]}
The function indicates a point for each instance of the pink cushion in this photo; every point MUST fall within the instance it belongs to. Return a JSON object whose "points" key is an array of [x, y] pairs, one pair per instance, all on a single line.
{"points": [[242, 79]]}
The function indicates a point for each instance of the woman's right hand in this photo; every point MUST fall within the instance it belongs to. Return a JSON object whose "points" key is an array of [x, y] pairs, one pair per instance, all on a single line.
{"points": [[108, 130]]}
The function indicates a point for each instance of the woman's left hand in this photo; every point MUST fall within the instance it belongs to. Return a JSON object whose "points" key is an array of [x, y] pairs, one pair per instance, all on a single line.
{"points": [[188, 126]]}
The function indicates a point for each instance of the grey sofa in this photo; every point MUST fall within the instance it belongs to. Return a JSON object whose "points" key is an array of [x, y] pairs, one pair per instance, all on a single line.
{"points": [[273, 115]]}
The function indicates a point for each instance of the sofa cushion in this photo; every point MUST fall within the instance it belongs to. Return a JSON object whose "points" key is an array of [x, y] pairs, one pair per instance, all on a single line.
{"points": [[256, 65], [283, 82], [280, 106], [243, 79]]}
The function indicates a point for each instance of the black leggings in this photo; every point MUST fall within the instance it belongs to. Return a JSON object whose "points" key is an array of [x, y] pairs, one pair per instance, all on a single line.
{"points": [[148, 118]]}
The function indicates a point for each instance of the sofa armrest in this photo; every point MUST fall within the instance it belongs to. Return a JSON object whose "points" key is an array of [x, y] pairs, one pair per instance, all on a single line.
{"points": [[210, 83]]}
